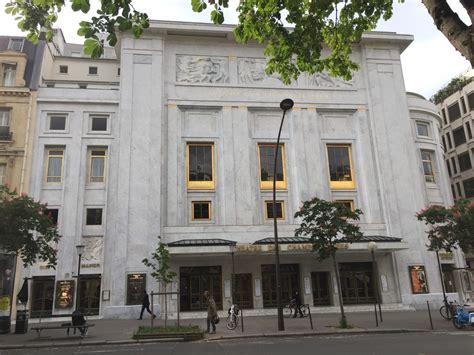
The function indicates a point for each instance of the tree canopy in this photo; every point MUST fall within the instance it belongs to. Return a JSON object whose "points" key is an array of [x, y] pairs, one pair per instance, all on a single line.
{"points": [[295, 32], [453, 86], [26, 229], [451, 227]]}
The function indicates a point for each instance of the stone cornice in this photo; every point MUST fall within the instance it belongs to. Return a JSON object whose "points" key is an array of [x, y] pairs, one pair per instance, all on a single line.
{"points": [[20, 93]]}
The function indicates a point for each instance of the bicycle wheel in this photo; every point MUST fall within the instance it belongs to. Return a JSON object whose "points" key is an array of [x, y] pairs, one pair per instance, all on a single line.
{"points": [[305, 310], [231, 322], [287, 311], [457, 324], [445, 313]]}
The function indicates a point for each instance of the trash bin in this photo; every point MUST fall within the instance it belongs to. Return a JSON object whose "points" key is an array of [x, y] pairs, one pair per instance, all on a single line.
{"points": [[5, 325], [21, 326]]}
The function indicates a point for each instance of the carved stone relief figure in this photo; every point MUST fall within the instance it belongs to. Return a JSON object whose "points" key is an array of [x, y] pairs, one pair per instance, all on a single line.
{"points": [[252, 71], [325, 80], [93, 249], [200, 69]]}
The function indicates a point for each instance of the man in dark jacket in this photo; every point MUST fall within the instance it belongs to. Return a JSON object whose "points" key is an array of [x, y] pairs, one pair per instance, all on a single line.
{"points": [[297, 305], [146, 305], [211, 312]]}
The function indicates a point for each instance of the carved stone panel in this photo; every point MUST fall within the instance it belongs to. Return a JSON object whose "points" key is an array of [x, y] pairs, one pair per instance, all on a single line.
{"points": [[325, 80], [93, 250], [202, 69], [251, 71]]}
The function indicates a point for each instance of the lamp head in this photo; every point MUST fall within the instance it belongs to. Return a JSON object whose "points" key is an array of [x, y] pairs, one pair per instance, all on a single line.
{"points": [[80, 249], [286, 104], [372, 246]]}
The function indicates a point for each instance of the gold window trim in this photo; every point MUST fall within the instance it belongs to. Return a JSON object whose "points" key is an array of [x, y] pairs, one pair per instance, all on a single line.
{"points": [[200, 185], [342, 185], [283, 216], [268, 185], [351, 202], [90, 164], [209, 203], [430, 161], [62, 165]]}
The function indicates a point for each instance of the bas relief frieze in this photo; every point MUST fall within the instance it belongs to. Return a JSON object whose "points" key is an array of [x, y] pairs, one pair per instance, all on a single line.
{"points": [[325, 80], [93, 249], [202, 69]]}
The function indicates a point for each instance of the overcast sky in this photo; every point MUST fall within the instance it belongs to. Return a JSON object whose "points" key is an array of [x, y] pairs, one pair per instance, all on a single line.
{"points": [[428, 63]]}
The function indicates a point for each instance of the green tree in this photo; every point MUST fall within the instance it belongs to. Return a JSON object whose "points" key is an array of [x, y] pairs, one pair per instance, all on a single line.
{"points": [[456, 84], [160, 265], [26, 229], [327, 224], [292, 50], [451, 227]]}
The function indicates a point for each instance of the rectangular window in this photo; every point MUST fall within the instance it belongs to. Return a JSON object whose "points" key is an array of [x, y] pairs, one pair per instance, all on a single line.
{"points": [[422, 129], [426, 159], [55, 165], [443, 113], [99, 123], [340, 167], [94, 216], [454, 112], [57, 122], [4, 124], [201, 210], [469, 187], [445, 148], [463, 105], [280, 209], [200, 164], [118, 71], [459, 136], [266, 154], [15, 44], [453, 190], [93, 70], [419, 283], [470, 100], [136, 284], [458, 186], [449, 168], [3, 174], [450, 144], [9, 74], [468, 130], [97, 165], [464, 161], [349, 204], [454, 166], [63, 69], [53, 214]]}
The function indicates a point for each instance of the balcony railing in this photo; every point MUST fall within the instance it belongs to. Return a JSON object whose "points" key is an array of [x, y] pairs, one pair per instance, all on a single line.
{"points": [[6, 136]]}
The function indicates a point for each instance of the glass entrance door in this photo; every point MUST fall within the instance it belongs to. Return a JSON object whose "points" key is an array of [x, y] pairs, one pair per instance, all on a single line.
{"points": [[194, 281], [89, 293], [357, 283], [243, 295], [320, 283], [289, 283], [42, 297]]}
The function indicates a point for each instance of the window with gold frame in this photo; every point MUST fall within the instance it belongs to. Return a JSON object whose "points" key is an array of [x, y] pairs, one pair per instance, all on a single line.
{"points": [[341, 171], [97, 164], [280, 209], [201, 210], [54, 170], [266, 158], [427, 161], [200, 166]]}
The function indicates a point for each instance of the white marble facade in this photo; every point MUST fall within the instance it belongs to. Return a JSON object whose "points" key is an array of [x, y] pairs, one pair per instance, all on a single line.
{"points": [[177, 88]]}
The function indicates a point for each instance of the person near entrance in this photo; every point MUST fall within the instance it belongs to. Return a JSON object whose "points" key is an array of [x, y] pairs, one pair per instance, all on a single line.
{"points": [[78, 319], [211, 312], [146, 305], [297, 299]]}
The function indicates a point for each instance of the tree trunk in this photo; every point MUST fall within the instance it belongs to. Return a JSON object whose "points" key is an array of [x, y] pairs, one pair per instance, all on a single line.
{"points": [[448, 22], [339, 292]]}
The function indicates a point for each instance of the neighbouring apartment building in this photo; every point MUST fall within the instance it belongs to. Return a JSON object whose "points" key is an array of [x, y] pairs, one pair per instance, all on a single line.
{"points": [[181, 146]]}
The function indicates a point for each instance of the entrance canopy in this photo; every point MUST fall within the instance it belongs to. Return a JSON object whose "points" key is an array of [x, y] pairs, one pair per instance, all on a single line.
{"points": [[286, 245]]}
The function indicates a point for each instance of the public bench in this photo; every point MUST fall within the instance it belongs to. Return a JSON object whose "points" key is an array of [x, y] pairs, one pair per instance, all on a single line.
{"points": [[67, 326]]}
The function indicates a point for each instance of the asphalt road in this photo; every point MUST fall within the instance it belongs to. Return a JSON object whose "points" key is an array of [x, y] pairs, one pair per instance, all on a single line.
{"points": [[450, 343]]}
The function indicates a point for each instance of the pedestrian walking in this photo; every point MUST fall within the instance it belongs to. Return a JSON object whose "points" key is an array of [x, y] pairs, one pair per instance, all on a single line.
{"points": [[146, 305], [297, 305], [211, 312]]}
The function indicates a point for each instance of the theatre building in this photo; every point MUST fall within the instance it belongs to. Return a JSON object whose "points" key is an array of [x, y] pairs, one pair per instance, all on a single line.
{"points": [[190, 158]]}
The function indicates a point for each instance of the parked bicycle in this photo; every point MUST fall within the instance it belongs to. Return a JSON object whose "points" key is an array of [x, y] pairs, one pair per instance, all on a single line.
{"points": [[449, 311], [290, 309], [463, 318], [234, 317]]}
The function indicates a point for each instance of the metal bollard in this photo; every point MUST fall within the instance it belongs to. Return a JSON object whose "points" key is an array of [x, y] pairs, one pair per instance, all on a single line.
{"points": [[310, 318], [376, 317], [429, 312], [242, 320]]}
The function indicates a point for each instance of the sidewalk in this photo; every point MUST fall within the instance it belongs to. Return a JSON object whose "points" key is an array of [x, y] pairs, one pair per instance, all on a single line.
{"points": [[121, 331]]}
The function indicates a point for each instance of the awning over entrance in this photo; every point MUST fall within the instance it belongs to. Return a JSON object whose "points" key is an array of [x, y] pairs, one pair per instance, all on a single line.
{"points": [[201, 246]]}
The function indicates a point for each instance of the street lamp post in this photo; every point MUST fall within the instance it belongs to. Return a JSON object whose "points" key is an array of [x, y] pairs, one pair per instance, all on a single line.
{"points": [[285, 105], [445, 300], [232, 250], [80, 252], [372, 246]]}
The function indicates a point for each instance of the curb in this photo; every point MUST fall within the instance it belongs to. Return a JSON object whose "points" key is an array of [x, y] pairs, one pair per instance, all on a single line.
{"points": [[214, 339]]}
